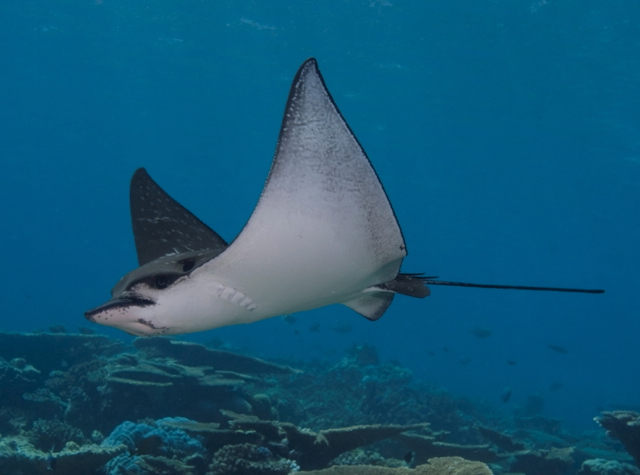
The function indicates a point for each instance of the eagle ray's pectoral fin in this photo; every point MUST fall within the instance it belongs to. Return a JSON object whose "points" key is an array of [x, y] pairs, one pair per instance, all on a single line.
{"points": [[162, 226]]}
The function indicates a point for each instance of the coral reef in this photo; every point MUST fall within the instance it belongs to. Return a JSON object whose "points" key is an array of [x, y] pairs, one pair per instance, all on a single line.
{"points": [[435, 466], [427, 447], [307, 448], [140, 388], [362, 456], [52, 435], [249, 459], [144, 464], [193, 354], [59, 351], [18, 456], [544, 462], [607, 467], [503, 441], [154, 438], [153, 448], [359, 390], [16, 378], [87, 404], [244, 445], [624, 426]]}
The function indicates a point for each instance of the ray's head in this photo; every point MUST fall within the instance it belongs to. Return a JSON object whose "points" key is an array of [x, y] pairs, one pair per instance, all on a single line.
{"points": [[145, 301]]}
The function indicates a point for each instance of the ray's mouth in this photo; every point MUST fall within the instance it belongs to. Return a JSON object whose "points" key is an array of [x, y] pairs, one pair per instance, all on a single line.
{"points": [[126, 299]]}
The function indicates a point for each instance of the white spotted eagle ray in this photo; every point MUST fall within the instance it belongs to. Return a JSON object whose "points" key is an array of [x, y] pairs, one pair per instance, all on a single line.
{"points": [[323, 232]]}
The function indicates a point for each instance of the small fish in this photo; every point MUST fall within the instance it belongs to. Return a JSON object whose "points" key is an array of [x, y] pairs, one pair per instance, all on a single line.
{"points": [[558, 349], [409, 458], [315, 327], [555, 385], [481, 332], [290, 319], [506, 395], [464, 361], [342, 328], [511, 362], [215, 343], [51, 462]]}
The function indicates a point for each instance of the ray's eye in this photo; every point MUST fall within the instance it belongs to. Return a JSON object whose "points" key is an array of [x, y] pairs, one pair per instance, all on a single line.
{"points": [[161, 281], [187, 265]]}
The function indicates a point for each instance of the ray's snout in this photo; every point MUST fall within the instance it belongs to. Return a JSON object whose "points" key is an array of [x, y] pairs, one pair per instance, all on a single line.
{"points": [[89, 315], [125, 300]]}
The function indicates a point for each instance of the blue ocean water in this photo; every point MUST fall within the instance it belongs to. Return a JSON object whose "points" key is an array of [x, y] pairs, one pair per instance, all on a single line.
{"points": [[506, 134]]}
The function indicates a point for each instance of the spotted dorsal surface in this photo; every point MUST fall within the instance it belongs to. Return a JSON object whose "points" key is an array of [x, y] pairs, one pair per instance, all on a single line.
{"points": [[162, 226]]}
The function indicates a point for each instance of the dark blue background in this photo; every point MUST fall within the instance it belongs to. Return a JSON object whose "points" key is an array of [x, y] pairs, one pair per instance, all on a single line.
{"points": [[507, 135]]}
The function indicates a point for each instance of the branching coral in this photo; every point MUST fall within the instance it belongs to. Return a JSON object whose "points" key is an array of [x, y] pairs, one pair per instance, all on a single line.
{"points": [[249, 459]]}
